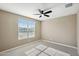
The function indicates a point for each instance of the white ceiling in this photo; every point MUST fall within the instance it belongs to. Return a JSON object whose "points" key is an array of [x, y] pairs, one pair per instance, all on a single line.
{"points": [[29, 9]]}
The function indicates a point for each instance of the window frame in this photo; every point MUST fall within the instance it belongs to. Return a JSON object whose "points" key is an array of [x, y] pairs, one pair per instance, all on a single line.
{"points": [[27, 27]]}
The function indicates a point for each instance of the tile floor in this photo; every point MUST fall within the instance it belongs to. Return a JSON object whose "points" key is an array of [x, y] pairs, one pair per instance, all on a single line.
{"points": [[42, 50], [34, 49]]}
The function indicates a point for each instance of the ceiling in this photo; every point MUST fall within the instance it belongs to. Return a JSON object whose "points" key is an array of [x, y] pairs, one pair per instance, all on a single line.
{"points": [[28, 9]]}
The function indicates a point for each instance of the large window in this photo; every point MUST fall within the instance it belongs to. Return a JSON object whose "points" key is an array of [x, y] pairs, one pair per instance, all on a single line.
{"points": [[26, 28]]}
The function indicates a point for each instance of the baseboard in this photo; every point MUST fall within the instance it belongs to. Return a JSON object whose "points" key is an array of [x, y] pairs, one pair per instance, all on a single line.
{"points": [[39, 41], [27, 44], [61, 44]]}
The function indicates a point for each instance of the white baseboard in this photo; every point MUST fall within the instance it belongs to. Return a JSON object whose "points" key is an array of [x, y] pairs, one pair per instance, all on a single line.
{"points": [[61, 44]]}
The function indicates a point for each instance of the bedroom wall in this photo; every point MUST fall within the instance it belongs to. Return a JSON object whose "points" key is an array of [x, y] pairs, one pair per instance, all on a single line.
{"points": [[60, 30], [78, 31], [9, 31]]}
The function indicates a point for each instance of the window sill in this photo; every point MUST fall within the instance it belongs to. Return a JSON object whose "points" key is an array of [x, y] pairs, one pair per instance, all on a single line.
{"points": [[26, 38]]}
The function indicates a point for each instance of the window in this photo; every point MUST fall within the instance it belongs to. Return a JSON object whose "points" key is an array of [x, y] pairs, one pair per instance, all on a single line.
{"points": [[26, 28]]}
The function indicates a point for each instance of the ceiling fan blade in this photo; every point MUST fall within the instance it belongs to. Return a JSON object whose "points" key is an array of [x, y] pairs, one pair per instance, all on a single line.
{"points": [[40, 16], [48, 12], [41, 11], [46, 15]]}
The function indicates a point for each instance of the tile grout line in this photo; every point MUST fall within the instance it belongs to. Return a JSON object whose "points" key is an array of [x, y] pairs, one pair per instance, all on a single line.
{"points": [[41, 51], [46, 53]]}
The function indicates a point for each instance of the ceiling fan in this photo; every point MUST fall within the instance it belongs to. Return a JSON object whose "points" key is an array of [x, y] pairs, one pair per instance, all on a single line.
{"points": [[44, 13]]}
